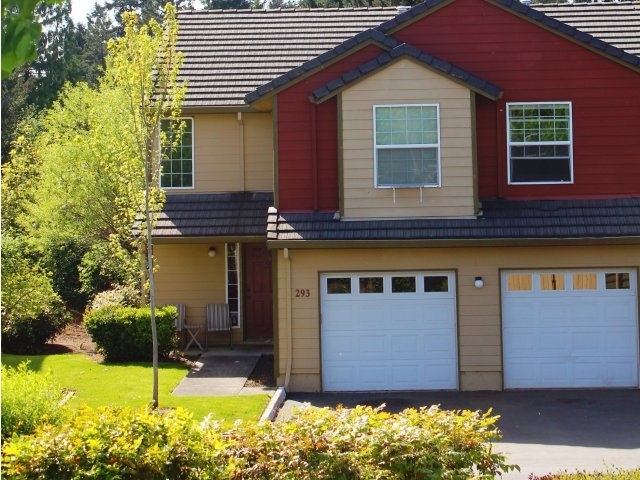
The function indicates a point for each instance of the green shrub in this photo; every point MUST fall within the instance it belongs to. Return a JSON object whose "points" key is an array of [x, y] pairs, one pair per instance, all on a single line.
{"points": [[123, 334], [32, 313], [362, 443], [112, 443], [29, 399], [107, 265], [62, 257]]}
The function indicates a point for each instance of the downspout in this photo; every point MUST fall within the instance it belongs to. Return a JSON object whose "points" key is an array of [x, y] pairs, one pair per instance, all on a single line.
{"points": [[287, 376], [501, 133]]}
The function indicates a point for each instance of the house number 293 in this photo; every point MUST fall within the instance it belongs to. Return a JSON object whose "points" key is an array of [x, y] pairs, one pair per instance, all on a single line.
{"points": [[302, 293]]}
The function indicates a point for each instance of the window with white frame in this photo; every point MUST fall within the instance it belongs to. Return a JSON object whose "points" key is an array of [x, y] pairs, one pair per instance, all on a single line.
{"points": [[539, 142], [233, 282], [407, 145], [177, 153]]}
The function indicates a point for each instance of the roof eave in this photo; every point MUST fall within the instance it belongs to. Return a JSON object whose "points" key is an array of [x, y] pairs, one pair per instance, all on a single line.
{"points": [[309, 68], [449, 243]]}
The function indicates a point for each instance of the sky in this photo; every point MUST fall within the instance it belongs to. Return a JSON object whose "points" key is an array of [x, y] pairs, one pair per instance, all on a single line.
{"points": [[80, 9]]}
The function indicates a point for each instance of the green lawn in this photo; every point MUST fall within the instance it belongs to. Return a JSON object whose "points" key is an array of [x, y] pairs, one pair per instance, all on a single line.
{"points": [[130, 385]]}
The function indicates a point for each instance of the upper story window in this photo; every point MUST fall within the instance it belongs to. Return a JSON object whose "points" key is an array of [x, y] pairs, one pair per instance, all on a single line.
{"points": [[407, 145], [177, 155], [539, 142]]}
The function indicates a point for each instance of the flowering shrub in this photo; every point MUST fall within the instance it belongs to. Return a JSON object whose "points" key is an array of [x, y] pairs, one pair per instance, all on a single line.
{"points": [[360, 443]]}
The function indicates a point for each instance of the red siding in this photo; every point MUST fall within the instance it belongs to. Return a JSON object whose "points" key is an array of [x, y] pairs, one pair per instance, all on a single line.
{"points": [[528, 63], [531, 64], [300, 188]]}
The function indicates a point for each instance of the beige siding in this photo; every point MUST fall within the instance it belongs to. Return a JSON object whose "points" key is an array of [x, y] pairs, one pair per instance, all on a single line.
{"points": [[258, 135], [406, 82], [187, 274], [232, 154], [479, 323]]}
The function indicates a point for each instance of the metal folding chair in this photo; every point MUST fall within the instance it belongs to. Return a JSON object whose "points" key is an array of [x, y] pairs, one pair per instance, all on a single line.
{"points": [[218, 320]]}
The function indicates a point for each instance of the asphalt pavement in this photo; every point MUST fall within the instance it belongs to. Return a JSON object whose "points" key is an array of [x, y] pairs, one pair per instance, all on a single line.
{"points": [[543, 431]]}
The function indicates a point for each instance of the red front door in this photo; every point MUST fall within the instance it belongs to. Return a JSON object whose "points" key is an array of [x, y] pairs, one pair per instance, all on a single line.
{"points": [[258, 293]]}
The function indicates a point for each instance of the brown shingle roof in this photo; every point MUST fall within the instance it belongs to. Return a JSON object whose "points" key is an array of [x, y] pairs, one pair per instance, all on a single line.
{"points": [[230, 53], [230, 215], [617, 23], [501, 221]]}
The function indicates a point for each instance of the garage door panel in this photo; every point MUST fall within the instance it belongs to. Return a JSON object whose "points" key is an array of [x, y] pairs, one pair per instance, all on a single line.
{"points": [[390, 340], [570, 338]]}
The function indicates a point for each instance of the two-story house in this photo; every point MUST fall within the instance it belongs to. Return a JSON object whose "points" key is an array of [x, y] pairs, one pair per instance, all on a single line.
{"points": [[446, 197]]}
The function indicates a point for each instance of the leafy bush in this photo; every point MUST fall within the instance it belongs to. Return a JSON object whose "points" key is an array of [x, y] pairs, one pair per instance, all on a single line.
{"points": [[362, 443], [123, 334], [610, 474], [32, 313], [105, 266], [29, 399], [119, 296], [62, 258]]}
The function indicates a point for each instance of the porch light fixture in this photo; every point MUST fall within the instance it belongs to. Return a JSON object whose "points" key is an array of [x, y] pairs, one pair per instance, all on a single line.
{"points": [[478, 282], [212, 251]]}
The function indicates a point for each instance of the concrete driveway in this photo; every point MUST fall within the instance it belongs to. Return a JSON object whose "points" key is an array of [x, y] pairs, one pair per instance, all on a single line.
{"points": [[543, 431]]}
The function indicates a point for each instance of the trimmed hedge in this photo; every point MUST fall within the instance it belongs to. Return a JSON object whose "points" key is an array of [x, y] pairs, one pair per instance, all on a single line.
{"points": [[123, 334], [318, 444]]}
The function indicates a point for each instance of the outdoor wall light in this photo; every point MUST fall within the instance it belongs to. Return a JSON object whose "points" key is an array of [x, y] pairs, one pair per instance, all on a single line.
{"points": [[212, 251], [479, 282]]}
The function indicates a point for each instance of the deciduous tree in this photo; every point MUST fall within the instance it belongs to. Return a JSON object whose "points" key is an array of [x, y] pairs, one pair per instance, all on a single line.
{"points": [[144, 64]]}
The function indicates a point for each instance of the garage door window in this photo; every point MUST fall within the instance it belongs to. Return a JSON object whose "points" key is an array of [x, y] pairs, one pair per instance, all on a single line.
{"points": [[403, 284], [617, 281], [371, 285], [585, 281], [519, 282], [337, 286], [436, 284], [552, 281]]}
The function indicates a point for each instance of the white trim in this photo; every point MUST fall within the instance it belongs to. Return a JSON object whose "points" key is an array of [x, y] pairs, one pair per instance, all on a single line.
{"points": [[569, 143], [377, 147], [240, 280]]}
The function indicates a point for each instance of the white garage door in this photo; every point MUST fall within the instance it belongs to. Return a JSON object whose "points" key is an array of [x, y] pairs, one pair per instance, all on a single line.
{"points": [[570, 329], [388, 331]]}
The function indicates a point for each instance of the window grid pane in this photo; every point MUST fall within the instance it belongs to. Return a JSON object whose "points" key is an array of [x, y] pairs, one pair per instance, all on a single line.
{"points": [[177, 155], [233, 282], [539, 143], [407, 147]]}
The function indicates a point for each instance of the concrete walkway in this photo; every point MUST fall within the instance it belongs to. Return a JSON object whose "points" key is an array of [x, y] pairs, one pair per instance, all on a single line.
{"points": [[223, 371]]}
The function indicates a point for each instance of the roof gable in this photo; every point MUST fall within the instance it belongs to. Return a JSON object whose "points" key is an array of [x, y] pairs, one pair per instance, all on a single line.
{"points": [[347, 47], [229, 54], [381, 35], [531, 14], [449, 70]]}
